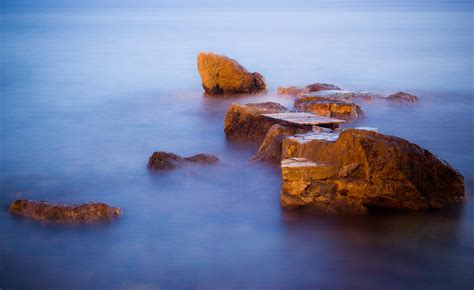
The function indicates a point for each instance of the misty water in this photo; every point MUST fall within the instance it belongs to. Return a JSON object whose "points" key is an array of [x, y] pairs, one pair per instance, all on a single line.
{"points": [[88, 94]]}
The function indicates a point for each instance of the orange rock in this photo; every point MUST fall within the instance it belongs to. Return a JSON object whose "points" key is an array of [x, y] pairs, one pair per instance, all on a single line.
{"points": [[292, 91], [246, 123], [271, 147], [221, 75], [316, 87], [327, 108], [363, 170]]}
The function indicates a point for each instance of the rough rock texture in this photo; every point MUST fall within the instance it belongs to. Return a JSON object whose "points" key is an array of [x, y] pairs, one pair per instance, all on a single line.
{"points": [[363, 170], [221, 75], [203, 159], [83, 213], [165, 161], [271, 147], [403, 97], [316, 87], [169, 161], [331, 109], [245, 122]]}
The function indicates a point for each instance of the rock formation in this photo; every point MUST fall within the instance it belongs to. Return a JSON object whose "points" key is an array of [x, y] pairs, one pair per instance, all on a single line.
{"points": [[316, 87], [169, 161], [403, 97], [83, 213], [246, 123], [271, 147], [363, 170], [327, 108], [221, 75]]}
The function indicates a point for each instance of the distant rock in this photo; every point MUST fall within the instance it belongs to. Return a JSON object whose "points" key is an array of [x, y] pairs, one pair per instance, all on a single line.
{"points": [[403, 97], [291, 91], [316, 87], [342, 95], [83, 213], [271, 147], [203, 159], [221, 75], [165, 161], [365, 169], [246, 123], [332, 109], [168, 161]]}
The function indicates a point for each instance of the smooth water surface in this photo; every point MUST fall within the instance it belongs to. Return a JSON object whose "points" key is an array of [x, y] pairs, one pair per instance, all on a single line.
{"points": [[88, 94]]}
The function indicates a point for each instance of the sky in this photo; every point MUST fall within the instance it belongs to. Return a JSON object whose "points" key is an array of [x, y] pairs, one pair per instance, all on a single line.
{"points": [[18, 4]]}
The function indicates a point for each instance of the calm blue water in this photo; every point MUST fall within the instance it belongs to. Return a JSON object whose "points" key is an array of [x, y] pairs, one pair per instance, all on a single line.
{"points": [[87, 94]]}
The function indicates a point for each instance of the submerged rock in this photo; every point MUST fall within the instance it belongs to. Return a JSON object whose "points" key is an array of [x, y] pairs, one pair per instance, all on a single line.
{"points": [[169, 161], [83, 213], [365, 169], [221, 75], [203, 159], [327, 108], [165, 161], [316, 87], [271, 147], [292, 91], [246, 123], [403, 97]]}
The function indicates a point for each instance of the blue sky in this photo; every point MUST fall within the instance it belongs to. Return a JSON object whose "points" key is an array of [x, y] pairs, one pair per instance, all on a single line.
{"points": [[147, 3]]}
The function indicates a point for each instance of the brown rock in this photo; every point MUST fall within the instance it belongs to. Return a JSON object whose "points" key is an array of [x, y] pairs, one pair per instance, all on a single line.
{"points": [[165, 161], [316, 87], [83, 213], [221, 75], [320, 87], [331, 109], [403, 97], [169, 161], [246, 123], [271, 147], [203, 159], [363, 170]]}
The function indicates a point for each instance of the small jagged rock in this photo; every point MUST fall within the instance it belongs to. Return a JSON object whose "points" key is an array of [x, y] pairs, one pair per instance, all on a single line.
{"points": [[246, 123], [365, 169], [168, 161], [316, 87], [403, 97], [332, 109], [221, 75], [82, 213]]}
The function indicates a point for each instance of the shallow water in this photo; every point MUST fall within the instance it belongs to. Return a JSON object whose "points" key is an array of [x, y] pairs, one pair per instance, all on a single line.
{"points": [[88, 94]]}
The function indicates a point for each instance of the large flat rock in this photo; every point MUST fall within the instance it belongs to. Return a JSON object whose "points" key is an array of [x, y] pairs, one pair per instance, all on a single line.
{"points": [[364, 169]]}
